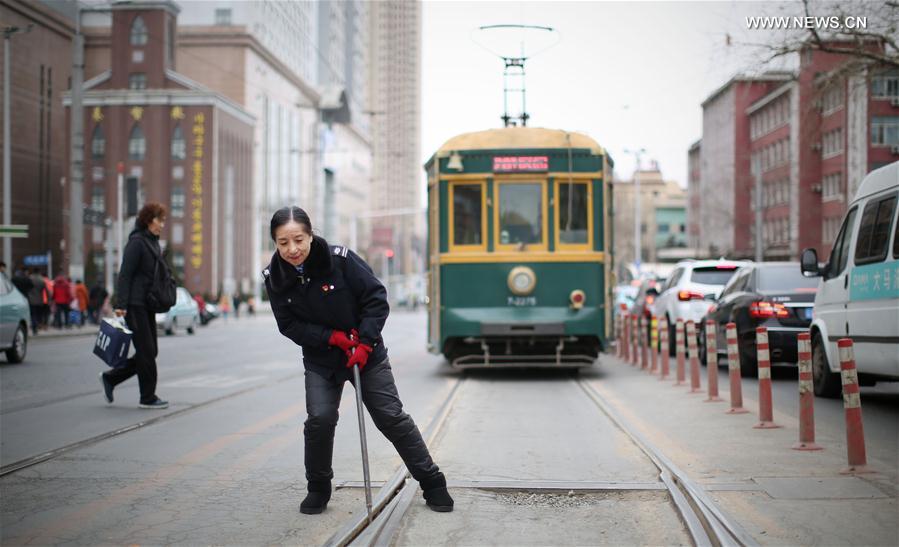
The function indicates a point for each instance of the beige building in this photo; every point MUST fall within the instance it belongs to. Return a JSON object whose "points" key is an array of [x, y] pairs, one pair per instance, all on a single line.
{"points": [[663, 206], [395, 98]]}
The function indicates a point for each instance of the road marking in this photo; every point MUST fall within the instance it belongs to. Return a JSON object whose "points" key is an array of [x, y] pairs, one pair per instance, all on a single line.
{"points": [[213, 381]]}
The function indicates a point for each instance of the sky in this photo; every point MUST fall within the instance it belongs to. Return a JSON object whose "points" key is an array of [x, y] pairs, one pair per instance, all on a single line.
{"points": [[631, 75]]}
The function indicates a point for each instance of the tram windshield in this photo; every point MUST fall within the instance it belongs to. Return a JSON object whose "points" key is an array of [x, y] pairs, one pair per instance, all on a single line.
{"points": [[573, 218], [520, 213]]}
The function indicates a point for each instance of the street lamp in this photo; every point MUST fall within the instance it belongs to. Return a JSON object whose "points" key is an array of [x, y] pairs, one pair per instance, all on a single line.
{"points": [[637, 224], [7, 154]]}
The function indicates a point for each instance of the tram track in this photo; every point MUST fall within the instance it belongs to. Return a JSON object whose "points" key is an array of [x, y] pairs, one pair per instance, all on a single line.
{"points": [[705, 522]]}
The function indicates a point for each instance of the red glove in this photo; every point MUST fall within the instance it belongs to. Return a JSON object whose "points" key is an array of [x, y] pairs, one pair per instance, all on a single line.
{"points": [[340, 340], [359, 356]]}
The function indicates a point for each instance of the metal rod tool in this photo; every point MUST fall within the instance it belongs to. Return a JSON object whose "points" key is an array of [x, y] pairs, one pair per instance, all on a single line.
{"points": [[365, 475]]}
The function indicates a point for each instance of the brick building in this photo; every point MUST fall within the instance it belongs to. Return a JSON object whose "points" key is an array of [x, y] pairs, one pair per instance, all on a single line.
{"points": [[39, 74], [813, 135], [177, 143]]}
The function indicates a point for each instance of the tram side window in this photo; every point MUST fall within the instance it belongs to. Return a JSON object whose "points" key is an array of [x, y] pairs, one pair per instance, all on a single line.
{"points": [[467, 228], [520, 213], [573, 218]]}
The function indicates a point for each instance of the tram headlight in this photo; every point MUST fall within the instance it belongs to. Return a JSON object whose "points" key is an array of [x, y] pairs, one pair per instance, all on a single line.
{"points": [[577, 299], [522, 281]]}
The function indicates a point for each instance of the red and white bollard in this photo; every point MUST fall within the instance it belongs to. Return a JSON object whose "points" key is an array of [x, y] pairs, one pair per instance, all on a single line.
{"points": [[806, 396], [695, 386], [733, 369], [654, 344], [766, 406], [644, 350], [852, 404], [663, 347], [711, 360], [679, 352], [635, 340]]}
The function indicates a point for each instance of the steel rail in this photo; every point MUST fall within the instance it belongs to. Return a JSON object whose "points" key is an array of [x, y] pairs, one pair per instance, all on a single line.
{"points": [[56, 452], [386, 501], [693, 503]]}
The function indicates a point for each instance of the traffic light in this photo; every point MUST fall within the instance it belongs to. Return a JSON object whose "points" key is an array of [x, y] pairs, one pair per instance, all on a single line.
{"points": [[388, 254]]}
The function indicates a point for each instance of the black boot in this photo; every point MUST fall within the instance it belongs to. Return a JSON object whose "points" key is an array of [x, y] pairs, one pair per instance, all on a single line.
{"points": [[319, 492], [436, 495]]}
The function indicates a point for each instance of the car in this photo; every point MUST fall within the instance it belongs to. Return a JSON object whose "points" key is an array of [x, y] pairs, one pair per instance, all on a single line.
{"points": [[15, 316], [624, 297], [858, 293], [774, 295], [690, 288], [184, 314]]}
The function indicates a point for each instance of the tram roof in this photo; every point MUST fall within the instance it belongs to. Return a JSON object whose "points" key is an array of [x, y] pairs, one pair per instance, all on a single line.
{"points": [[519, 137]]}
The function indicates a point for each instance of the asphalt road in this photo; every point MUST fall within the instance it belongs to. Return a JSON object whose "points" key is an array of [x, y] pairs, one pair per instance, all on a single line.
{"points": [[223, 465]]}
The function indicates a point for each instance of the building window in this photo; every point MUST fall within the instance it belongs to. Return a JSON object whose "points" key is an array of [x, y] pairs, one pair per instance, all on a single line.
{"points": [[832, 143], [885, 130], [137, 80], [832, 99], [178, 201], [885, 86], [98, 199], [178, 263], [138, 32], [223, 17], [98, 143], [179, 148], [137, 145], [832, 187]]}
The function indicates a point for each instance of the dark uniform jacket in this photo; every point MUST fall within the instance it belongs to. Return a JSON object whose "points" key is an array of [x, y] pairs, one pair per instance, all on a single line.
{"points": [[337, 291], [136, 274]]}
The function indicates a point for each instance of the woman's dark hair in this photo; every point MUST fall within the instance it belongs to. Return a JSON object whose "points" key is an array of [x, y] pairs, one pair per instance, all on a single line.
{"points": [[285, 214], [149, 212]]}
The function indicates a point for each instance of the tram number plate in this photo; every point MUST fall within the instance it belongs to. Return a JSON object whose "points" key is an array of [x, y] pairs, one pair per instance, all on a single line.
{"points": [[522, 301]]}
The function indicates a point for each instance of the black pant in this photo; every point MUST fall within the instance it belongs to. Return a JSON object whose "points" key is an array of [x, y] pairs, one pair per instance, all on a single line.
{"points": [[380, 397], [143, 326]]}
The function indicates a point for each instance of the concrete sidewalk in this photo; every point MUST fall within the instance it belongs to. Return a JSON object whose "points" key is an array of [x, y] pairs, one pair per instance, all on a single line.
{"points": [[779, 495]]}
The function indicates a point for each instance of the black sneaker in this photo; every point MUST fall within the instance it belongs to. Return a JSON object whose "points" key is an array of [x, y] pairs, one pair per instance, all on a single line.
{"points": [[157, 403], [107, 388]]}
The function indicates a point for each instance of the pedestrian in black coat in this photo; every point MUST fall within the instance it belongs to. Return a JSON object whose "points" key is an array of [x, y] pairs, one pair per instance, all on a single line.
{"points": [[327, 300], [132, 287]]}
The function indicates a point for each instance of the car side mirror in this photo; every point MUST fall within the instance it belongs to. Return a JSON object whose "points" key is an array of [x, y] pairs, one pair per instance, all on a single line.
{"points": [[808, 263]]}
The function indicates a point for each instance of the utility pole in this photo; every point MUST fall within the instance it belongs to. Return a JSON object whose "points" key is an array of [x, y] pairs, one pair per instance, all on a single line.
{"points": [[75, 244], [7, 147], [757, 173], [638, 232]]}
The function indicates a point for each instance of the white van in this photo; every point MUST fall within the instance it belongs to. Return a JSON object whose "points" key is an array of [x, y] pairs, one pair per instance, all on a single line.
{"points": [[858, 296]]}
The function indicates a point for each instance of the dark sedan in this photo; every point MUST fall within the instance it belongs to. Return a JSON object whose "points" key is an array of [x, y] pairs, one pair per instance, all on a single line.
{"points": [[774, 295]]}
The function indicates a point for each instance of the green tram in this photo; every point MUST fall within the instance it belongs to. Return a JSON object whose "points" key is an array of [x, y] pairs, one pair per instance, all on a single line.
{"points": [[519, 233]]}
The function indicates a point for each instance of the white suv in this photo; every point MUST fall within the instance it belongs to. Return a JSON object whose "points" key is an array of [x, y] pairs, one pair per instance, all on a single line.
{"points": [[689, 290]]}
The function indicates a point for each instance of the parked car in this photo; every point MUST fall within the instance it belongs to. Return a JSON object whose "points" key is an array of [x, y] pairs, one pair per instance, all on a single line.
{"points": [[690, 288], [15, 316], [624, 297], [185, 314], [774, 295], [858, 295]]}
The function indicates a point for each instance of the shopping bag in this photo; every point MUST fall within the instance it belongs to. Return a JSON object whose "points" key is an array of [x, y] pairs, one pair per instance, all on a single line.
{"points": [[113, 342], [74, 317]]}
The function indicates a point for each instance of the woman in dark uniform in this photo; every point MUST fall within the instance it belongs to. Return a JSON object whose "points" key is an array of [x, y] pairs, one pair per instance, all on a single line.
{"points": [[327, 300]]}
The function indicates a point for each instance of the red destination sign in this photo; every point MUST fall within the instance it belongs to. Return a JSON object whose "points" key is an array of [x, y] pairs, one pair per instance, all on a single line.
{"points": [[520, 164]]}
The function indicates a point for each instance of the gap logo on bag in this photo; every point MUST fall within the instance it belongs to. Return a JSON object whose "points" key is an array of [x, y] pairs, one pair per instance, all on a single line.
{"points": [[112, 343]]}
